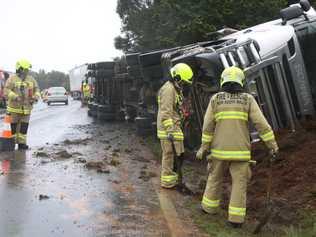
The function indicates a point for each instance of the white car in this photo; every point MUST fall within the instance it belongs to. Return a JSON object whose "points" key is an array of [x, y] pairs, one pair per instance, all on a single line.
{"points": [[57, 95]]}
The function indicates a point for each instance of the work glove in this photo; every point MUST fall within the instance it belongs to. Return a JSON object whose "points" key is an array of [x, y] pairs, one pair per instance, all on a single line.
{"points": [[200, 154]]}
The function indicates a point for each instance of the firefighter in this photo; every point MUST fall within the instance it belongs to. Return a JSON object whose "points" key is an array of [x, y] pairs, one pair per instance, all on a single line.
{"points": [[22, 91], [225, 137], [85, 92], [169, 121]]}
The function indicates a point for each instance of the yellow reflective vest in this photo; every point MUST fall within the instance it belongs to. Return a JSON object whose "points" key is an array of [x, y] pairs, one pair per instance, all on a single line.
{"points": [[169, 112], [21, 94], [226, 126], [86, 91]]}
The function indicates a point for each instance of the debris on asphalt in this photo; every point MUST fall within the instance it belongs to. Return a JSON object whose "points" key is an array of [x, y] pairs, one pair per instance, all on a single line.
{"points": [[41, 154], [77, 141], [127, 150], [115, 154], [77, 154], [43, 197], [107, 148], [81, 160], [140, 159], [94, 164], [114, 162], [99, 166], [116, 150], [63, 154], [146, 176], [103, 170]]}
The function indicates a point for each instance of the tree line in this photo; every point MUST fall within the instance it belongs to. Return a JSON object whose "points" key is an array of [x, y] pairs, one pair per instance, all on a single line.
{"points": [[157, 24], [50, 79]]}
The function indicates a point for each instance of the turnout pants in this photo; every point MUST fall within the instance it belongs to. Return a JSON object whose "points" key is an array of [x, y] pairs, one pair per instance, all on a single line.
{"points": [[241, 174], [169, 178], [19, 127]]}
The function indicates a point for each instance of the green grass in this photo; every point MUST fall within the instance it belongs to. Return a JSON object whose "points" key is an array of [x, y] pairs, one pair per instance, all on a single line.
{"points": [[214, 225]]}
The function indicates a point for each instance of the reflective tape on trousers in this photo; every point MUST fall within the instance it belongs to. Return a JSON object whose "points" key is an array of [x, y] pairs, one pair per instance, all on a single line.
{"points": [[237, 211], [210, 203]]}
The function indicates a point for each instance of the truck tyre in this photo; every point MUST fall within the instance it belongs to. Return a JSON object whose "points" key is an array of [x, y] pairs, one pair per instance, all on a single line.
{"points": [[143, 123], [105, 73], [134, 71], [152, 72], [104, 65], [106, 116], [132, 59], [106, 109]]}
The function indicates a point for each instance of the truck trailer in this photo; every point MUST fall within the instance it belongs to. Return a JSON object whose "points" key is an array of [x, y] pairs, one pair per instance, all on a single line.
{"points": [[76, 76]]}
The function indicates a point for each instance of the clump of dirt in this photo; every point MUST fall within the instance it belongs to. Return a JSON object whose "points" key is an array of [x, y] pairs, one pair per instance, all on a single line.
{"points": [[99, 166], [81, 160], [140, 159], [116, 150], [41, 154], [77, 141], [127, 150], [146, 176], [114, 162], [63, 154], [43, 197]]}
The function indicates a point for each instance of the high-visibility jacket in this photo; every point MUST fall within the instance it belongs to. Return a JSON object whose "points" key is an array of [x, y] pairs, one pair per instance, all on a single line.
{"points": [[226, 126], [26, 90], [169, 113], [86, 90]]}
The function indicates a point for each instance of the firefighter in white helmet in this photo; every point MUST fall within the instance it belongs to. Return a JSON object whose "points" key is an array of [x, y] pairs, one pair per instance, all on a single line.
{"points": [[226, 137], [21, 91], [169, 121]]}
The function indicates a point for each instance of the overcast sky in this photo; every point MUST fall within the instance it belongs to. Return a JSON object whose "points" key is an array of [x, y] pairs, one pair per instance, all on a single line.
{"points": [[57, 34]]}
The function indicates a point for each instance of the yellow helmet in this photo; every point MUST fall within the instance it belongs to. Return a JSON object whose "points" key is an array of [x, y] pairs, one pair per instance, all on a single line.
{"points": [[23, 64], [233, 74], [184, 72]]}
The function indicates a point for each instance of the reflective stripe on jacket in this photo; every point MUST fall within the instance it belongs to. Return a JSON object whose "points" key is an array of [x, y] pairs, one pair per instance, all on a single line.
{"points": [[169, 117], [20, 94], [86, 91], [226, 126]]}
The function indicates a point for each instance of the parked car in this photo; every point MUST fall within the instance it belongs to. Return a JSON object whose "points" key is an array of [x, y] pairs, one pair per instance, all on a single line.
{"points": [[57, 95]]}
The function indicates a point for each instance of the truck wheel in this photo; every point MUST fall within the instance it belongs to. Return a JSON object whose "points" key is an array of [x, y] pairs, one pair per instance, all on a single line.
{"points": [[153, 72], [132, 59], [104, 65]]}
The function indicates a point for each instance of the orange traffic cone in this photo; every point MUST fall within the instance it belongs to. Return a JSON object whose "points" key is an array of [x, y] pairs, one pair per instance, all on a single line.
{"points": [[6, 133], [7, 141]]}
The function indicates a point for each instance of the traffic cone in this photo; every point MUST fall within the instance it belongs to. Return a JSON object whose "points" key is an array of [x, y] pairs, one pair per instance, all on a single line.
{"points": [[7, 133], [7, 141]]}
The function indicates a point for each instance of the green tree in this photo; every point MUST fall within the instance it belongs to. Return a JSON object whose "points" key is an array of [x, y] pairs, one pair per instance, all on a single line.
{"points": [[156, 24], [50, 79]]}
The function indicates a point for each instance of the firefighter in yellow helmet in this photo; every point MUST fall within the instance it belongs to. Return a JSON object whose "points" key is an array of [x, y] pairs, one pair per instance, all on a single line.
{"points": [[226, 136], [22, 91], [170, 98], [85, 92]]}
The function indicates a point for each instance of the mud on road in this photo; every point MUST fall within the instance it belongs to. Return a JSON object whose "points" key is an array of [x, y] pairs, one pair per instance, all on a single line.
{"points": [[100, 180]]}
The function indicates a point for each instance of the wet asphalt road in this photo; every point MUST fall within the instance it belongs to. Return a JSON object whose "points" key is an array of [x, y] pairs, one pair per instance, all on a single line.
{"points": [[81, 201]]}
